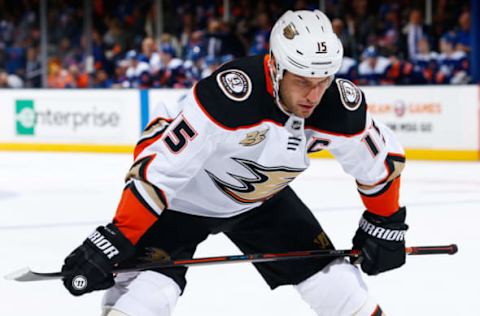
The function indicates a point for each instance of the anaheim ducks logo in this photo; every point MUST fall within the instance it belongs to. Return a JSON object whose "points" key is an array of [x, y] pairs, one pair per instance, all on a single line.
{"points": [[265, 183], [322, 241], [153, 254], [254, 138], [290, 31]]}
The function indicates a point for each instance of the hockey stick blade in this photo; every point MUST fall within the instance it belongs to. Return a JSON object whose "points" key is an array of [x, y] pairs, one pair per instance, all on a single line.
{"points": [[27, 275]]}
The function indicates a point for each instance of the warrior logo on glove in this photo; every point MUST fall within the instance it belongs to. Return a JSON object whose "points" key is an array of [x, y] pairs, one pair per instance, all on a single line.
{"points": [[79, 282]]}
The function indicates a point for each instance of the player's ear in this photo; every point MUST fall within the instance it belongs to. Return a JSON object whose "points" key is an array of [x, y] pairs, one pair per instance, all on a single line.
{"points": [[272, 64], [272, 59]]}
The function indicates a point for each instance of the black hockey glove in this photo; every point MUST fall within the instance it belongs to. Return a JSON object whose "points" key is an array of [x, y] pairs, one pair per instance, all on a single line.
{"points": [[381, 241], [89, 267]]}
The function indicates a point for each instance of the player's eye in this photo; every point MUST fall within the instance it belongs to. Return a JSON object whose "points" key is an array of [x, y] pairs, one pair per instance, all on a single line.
{"points": [[302, 83]]}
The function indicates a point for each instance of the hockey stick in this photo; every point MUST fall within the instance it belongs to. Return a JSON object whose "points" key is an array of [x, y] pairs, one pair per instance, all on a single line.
{"points": [[25, 274]]}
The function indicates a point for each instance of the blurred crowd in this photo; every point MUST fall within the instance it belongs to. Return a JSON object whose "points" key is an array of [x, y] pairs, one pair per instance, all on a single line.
{"points": [[386, 42]]}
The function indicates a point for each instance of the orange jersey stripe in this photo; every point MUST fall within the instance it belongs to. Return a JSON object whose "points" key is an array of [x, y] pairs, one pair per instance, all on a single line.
{"points": [[141, 146], [384, 203], [268, 78], [132, 218]]}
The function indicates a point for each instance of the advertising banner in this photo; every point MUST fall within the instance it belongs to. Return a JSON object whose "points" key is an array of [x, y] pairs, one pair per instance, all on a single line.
{"points": [[428, 117], [108, 117], [432, 122]]}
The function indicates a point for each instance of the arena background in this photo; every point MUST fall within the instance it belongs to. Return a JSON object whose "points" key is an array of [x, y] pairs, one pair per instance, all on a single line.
{"points": [[80, 79], [98, 69]]}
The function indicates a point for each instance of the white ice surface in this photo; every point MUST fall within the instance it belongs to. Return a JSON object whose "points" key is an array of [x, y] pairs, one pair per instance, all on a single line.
{"points": [[50, 202]]}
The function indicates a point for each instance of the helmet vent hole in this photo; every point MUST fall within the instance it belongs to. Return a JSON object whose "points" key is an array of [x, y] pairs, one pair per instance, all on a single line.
{"points": [[317, 16], [300, 17], [299, 52], [326, 72], [307, 29], [323, 29]]}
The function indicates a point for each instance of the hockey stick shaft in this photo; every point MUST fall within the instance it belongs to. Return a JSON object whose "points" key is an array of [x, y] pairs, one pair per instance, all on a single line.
{"points": [[269, 257], [432, 250], [28, 275]]}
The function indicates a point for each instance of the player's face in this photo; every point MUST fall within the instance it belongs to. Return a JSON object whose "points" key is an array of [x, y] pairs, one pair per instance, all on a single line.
{"points": [[301, 95]]}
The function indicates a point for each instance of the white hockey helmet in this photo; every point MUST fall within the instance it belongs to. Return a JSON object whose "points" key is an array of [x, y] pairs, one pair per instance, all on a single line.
{"points": [[303, 42]]}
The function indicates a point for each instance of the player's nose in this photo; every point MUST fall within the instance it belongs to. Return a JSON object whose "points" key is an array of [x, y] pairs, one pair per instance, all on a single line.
{"points": [[314, 94]]}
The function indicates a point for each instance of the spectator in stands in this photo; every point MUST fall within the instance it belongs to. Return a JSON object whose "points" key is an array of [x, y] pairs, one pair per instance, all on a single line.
{"points": [[172, 74], [33, 69], [123, 25], [346, 38], [195, 48], [79, 77], [186, 32], [214, 38], [453, 64], [260, 44], [150, 55], [361, 24], [389, 31], [349, 69], [167, 39], [120, 79], [462, 34], [244, 15], [7, 29], [373, 70], [112, 56], [58, 77], [16, 59], [425, 63], [138, 71], [66, 53], [232, 44], [135, 24], [115, 34], [10, 80], [98, 52], [102, 80], [211, 64], [194, 65], [413, 32]]}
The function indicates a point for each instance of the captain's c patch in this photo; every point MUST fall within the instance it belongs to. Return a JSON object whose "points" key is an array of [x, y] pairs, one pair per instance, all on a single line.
{"points": [[235, 84], [350, 94]]}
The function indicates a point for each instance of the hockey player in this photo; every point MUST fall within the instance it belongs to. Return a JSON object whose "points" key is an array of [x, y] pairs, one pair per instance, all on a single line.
{"points": [[223, 162]]}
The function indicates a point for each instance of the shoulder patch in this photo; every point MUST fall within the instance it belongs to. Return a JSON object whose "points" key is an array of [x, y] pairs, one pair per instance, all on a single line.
{"points": [[350, 94], [235, 84]]}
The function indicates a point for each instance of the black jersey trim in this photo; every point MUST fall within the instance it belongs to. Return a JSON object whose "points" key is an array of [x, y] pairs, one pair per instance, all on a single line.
{"points": [[216, 122], [333, 118], [315, 129], [233, 114]]}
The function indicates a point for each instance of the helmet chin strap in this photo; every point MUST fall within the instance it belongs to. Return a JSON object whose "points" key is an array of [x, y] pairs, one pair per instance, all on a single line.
{"points": [[276, 76]]}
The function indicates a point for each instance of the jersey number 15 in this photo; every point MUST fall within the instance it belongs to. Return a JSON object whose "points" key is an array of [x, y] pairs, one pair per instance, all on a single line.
{"points": [[179, 137]]}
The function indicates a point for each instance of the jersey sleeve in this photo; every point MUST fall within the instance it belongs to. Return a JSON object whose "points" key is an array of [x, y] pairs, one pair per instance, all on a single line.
{"points": [[167, 156], [375, 158]]}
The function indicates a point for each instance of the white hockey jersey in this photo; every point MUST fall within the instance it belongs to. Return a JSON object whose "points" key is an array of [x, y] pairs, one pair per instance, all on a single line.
{"points": [[228, 147]]}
